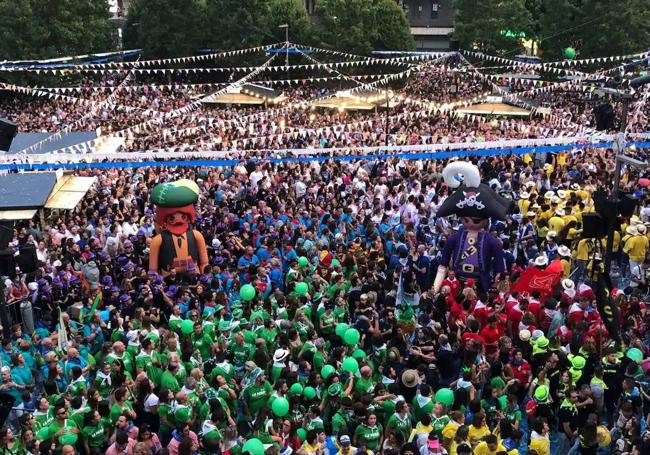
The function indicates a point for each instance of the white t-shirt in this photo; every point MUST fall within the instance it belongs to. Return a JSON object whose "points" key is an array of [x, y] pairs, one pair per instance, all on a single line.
{"points": [[152, 400]]}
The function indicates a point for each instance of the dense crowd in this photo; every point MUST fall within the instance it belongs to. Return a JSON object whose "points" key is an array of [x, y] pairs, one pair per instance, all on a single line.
{"points": [[315, 328]]}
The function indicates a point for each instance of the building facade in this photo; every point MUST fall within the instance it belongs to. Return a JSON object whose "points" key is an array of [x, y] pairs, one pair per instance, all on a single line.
{"points": [[431, 21]]}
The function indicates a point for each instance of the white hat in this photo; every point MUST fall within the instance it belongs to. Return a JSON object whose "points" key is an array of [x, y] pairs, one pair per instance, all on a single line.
{"points": [[561, 194], [555, 200], [541, 260], [560, 211], [549, 194], [548, 166], [551, 235], [529, 184], [32, 286], [575, 186], [569, 287], [524, 195], [631, 230], [564, 251], [280, 354], [531, 214], [216, 243], [524, 335], [641, 229]]}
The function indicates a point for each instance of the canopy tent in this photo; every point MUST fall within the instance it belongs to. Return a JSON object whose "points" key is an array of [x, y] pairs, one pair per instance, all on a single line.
{"points": [[23, 141], [358, 100], [495, 109], [17, 215], [251, 94], [68, 192], [29, 190]]}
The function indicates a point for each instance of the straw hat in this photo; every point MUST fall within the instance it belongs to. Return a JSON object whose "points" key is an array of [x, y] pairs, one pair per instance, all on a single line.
{"points": [[541, 260], [560, 211], [531, 214], [551, 235], [280, 354], [524, 195], [410, 378], [561, 194], [524, 335], [631, 230], [641, 229], [555, 200], [549, 194], [564, 251]]}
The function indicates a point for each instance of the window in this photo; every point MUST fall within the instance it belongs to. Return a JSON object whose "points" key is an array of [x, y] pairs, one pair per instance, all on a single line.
{"points": [[435, 6]]}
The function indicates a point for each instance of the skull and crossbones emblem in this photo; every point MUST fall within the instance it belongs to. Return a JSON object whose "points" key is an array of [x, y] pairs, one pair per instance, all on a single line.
{"points": [[470, 201]]}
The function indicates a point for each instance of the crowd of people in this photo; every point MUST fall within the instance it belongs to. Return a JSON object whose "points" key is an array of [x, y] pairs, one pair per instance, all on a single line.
{"points": [[315, 328]]}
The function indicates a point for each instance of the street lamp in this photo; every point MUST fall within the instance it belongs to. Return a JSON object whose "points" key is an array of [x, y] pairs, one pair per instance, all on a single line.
{"points": [[286, 41]]}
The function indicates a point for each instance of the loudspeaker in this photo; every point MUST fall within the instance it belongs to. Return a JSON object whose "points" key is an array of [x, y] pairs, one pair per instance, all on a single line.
{"points": [[7, 263], [6, 233], [7, 133], [627, 204], [27, 259], [604, 115], [593, 226], [6, 403]]}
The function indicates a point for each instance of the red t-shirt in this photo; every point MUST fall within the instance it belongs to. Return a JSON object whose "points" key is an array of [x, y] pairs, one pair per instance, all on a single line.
{"points": [[454, 285], [491, 335], [521, 372]]}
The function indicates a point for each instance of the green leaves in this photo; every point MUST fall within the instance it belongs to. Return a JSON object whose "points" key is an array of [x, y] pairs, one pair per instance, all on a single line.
{"points": [[36, 29]]}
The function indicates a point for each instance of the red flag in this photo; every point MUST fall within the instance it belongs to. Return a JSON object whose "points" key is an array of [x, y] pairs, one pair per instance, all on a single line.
{"points": [[534, 279]]}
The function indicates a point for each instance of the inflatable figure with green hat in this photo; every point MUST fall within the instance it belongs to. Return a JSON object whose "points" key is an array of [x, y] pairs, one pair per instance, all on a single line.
{"points": [[177, 244]]}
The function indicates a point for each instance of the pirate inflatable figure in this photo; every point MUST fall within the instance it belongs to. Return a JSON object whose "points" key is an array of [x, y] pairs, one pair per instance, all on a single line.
{"points": [[177, 246], [471, 252]]}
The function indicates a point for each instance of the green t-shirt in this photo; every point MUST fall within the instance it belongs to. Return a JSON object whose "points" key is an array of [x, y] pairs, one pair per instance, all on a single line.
{"points": [[170, 382], [43, 419], [117, 410], [402, 425], [241, 353], [256, 396], [144, 361], [364, 386], [369, 436], [439, 423], [94, 435], [339, 422]]}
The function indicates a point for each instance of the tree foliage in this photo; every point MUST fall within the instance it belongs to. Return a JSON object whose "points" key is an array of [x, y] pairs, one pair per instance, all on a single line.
{"points": [[36, 29], [480, 24], [393, 31], [594, 27]]}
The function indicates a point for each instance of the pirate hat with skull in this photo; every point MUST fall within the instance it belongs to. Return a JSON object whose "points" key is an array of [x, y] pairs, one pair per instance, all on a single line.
{"points": [[472, 198]]}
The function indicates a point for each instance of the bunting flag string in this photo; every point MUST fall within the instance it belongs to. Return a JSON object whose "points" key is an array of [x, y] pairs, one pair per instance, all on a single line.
{"points": [[155, 86], [530, 145], [153, 62], [70, 58], [161, 120], [399, 61]]}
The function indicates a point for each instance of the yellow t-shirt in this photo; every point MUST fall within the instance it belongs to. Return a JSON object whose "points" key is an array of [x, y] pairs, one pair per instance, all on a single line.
{"points": [[556, 224], [476, 434], [561, 159], [566, 268], [523, 206], [583, 250], [636, 247], [449, 431], [483, 449], [541, 445], [617, 242]]}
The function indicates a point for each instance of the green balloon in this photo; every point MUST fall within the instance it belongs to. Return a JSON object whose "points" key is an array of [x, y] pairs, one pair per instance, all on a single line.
{"points": [[359, 354], [327, 371], [335, 262], [445, 396], [254, 447], [302, 434], [68, 439], [309, 392], [303, 261], [503, 400], [187, 327], [280, 407], [301, 288], [569, 53], [247, 292], [350, 365], [341, 328], [351, 337], [296, 389], [634, 354], [43, 433]]}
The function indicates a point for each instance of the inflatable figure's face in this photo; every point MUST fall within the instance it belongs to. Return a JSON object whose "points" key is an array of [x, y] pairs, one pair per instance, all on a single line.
{"points": [[473, 224], [177, 222]]}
